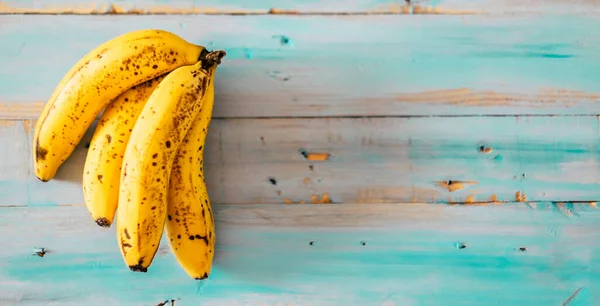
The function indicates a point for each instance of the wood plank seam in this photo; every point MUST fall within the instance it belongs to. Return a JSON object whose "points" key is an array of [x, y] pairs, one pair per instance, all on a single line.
{"points": [[10, 114]]}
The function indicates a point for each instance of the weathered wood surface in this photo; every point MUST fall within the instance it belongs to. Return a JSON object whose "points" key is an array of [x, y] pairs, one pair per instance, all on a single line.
{"points": [[360, 255], [296, 6], [488, 159], [358, 66], [479, 93]]}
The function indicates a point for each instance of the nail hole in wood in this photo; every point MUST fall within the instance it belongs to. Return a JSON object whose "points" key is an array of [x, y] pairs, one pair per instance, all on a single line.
{"points": [[40, 252], [363, 243], [273, 181]]}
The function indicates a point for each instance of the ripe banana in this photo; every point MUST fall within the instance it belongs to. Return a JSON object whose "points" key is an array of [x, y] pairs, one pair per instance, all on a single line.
{"points": [[95, 80], [190, 225], [149, 155], [102, 168]]}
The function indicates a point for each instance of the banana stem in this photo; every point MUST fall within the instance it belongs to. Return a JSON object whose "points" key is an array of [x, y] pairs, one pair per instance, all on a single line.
{"points": [[210, 58]]}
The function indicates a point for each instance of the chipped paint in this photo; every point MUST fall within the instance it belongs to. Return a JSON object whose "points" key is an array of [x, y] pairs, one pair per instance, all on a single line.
{"points": [[275, 11], [485, 150], [324, 199], [417, 9], [314, 199], [316, 156], [520, 197], [453, 186], [27, 124]]}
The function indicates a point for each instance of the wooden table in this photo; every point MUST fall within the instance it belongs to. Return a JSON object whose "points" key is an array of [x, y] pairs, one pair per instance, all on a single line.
{"points": [[360, 153]]}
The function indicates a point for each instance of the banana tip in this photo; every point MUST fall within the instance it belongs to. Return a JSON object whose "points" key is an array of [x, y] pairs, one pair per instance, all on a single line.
{"points": [[138, 268], [103, 222], [205, 276]]}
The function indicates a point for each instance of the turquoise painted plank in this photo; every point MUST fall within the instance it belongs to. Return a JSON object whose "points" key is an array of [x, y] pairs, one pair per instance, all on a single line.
{"points": [[264, 256], [371, 160], [14, 165], [338, 66], [304, 6]]}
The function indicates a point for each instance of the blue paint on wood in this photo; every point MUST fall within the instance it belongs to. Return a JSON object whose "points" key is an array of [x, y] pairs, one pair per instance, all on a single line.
{"points": [[372, 160], [367, 65], [305, 6], [415, 267]]}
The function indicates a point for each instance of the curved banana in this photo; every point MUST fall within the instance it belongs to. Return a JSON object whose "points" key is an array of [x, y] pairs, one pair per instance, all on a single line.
{"points": [[190, 224], [149, 155], [102, 168], [95, 80]]}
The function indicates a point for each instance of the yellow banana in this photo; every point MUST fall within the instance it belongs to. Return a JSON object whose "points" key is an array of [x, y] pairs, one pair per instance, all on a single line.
{"points": [[190, 224], [156, 135], [102, 168], [95, 80]]}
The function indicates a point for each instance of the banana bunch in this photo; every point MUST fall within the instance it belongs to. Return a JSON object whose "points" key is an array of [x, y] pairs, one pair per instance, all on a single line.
{"points": [[153, 92]]}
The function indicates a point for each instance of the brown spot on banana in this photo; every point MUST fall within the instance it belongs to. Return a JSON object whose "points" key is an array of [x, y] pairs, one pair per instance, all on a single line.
{"points": [[202, 238], [40, 153]]}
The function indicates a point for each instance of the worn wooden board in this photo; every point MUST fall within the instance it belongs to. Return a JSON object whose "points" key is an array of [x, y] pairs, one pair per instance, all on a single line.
{"points": [[478, 91], [489, 159], [360, 255], [338, 66], [296, 6]]}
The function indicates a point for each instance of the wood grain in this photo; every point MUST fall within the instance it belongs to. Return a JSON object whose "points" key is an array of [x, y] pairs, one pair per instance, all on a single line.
{"points": [[368, 160], [296, 6], [286, 66], [360, 255], [475, 121]]}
